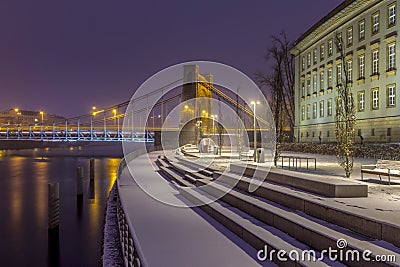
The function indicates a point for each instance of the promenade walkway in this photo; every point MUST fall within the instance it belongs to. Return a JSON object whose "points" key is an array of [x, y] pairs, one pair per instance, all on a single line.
{"points": [[175, 236]]}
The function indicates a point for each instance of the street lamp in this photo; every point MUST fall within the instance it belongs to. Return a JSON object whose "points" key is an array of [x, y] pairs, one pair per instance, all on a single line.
{"points": [[254, 103], [41, 125], [91, 122]]}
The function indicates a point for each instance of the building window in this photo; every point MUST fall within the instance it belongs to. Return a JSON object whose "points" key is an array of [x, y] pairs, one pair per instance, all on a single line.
{"points": [[350, 36], [315, 56], [322, 52], [339, 42], [391, 95], [375, 23], [350, 71], [327, 134], [375, 62], [329, 107], [361, 30], [321, 80], [389, 132], [314, 112], [330, 47], [339, 74], [329, 77], [372, 132], [391, 13], [308, 59], [308, 86], [391, 56], [361, 66], [302, 113], [321, 108], [375, 98], [303, 89], [303, 64], [361, 100], [314, 83], [308, 111]]}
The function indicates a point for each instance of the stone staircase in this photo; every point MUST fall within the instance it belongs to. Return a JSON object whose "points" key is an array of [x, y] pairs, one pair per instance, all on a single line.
{"points": [[277, 217]]}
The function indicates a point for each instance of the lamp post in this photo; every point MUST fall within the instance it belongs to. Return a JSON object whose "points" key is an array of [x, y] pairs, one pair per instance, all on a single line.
{"points": [[91, 122], [254, 103], [41, 125]]}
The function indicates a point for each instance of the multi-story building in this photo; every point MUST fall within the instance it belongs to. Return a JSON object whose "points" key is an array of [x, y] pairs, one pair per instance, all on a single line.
{"points": [[368, 32], [13, 117]]}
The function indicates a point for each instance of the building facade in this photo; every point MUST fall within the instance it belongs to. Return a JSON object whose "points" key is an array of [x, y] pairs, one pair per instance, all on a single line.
{"points": [[25, 118], [368, 30]]}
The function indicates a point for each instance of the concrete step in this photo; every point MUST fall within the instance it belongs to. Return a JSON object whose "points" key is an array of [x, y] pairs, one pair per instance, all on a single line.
{"points": [[311, 205], [251, 230], [324, 186], [316, 234], [173, 176]]}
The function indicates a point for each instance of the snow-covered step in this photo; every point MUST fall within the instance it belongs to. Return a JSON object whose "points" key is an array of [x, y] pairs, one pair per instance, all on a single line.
{"points": [[251, 230], [310, 232]]}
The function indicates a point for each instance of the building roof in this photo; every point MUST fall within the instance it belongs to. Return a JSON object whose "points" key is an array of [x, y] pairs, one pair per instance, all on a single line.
{"points": [[339, 8]]}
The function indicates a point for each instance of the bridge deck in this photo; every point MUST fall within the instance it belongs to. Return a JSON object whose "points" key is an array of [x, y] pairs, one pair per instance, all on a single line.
{"points": [[174, 236]]}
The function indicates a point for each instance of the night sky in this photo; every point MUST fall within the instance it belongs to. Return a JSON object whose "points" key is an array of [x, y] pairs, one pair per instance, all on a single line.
{"points": [[65, 56]]}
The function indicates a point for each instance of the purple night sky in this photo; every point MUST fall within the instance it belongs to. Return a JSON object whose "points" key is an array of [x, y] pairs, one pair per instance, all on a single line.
{"points": [[65, 56]]}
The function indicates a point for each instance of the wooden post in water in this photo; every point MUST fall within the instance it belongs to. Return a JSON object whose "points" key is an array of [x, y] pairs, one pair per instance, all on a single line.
{"points": [[79, 182], [91, 169], [54, 205]]}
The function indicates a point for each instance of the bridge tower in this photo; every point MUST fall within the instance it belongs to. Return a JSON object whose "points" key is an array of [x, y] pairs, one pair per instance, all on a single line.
{"points": [[196, 114]]}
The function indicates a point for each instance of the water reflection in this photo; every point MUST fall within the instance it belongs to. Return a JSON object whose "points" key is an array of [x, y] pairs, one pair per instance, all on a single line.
{"points": [[23, 212]]}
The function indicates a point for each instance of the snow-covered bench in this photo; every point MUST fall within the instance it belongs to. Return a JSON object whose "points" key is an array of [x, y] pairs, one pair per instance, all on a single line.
{"points": [[247, 154], [389, 168]]}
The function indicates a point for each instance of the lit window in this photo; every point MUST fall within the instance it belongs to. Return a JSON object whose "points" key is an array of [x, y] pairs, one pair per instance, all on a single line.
{"points": [[309, 59], [361, 30], [330, 47], [308, 86], [330, 77], [322, 51], [315, 56], [391, 56], [350, 36], [303, 89], [303, 63], [314, 83], [361, 68], [308, 111], [321, 80], [391, 95], [349, 70], [321, 108], [391, 15], [329, 107], [375, 62], [314, 110], [375, 98], [302, 113], [375, 23], [339, 42], [361, 101], [339, 74]]}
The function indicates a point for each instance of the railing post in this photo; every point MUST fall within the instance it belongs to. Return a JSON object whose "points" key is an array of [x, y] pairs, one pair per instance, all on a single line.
{"points": [[53, 133], [79, 131], [54, 205], [66, 130]]}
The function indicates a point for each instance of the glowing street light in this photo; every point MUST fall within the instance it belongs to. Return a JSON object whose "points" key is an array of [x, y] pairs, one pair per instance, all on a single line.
{"points": [[254, 103], [41, 125]]}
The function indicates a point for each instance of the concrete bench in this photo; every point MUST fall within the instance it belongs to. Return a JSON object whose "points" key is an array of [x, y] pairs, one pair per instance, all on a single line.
{"points": [[247, 155], [389, 168]]}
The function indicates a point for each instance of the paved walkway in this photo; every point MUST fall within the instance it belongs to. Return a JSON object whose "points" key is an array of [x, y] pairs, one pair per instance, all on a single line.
{"points": [[175, 236]]}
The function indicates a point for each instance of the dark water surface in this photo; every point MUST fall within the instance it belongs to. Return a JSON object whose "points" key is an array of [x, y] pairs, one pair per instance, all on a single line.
{"points": [[23, 210]]}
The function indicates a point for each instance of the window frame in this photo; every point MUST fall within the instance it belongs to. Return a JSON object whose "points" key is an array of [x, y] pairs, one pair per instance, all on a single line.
{"points": [[389, 23], [374, 99], [361, 74], [373, 31], [361, 30], [361, 101], [321, 108], [389, 56], [330, 47], [329, 107], [373, 61], [349, 36], [388, 96]]}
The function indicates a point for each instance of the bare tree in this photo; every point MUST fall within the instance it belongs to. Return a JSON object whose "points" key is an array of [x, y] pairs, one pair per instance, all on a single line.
{"points": [[280, 82], [345, 120]]}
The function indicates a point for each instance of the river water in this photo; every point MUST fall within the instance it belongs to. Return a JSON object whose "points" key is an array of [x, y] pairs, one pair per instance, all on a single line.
{"points": [[23, 210]]}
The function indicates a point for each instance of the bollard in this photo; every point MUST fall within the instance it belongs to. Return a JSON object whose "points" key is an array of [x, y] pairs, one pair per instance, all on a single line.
{"points": [[79, 181], [54, 205], [91, 169]]}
